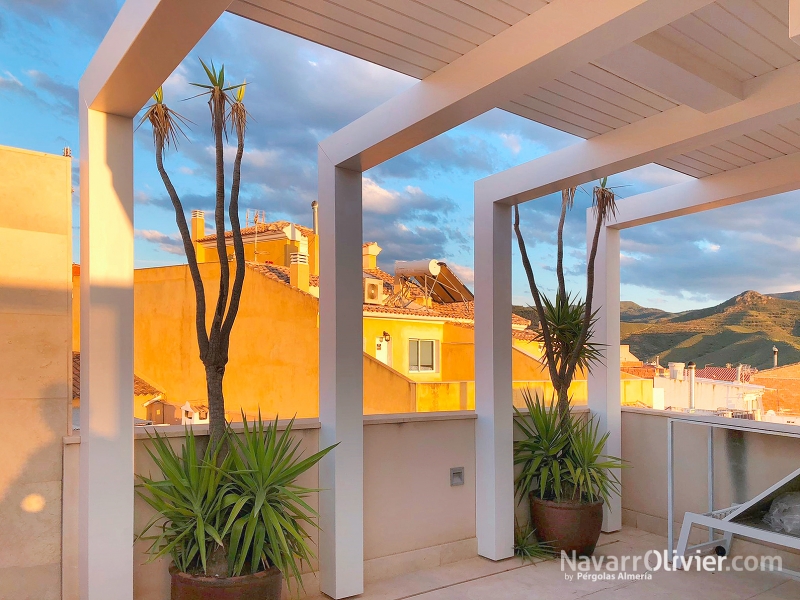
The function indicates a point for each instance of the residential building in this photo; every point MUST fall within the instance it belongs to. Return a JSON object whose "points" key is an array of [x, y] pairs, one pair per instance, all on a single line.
{"points": [[781, 400]]}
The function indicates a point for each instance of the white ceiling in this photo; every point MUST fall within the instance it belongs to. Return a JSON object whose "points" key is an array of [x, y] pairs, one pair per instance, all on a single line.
{"points": [[741, 39]]}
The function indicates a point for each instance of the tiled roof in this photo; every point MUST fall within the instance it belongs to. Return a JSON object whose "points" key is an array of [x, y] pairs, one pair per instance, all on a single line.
{"points": [[279, 273], [140, 386], [527, 335], [262, 228], [725, 373], [413, 309], [453, 310], [388, 281]]}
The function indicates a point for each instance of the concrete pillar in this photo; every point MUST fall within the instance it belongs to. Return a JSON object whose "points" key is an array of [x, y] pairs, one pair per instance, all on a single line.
{"points": [[493, 396], [106, 420], [604, 380], [341, 473]]}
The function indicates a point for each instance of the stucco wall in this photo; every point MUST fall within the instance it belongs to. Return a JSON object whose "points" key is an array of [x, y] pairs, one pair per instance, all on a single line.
{"points": [[35, 353], [401, 331], [274, 350], [386, 390], [745, 465], [413, 518], [709, 394], [783, 387]]}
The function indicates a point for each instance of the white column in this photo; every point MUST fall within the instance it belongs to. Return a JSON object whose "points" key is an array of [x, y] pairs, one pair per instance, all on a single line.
{"points": [[106, 420], [604, 380], [494, 430], [341, 473]]}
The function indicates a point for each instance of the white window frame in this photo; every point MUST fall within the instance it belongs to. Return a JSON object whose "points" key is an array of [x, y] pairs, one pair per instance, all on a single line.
{"points": [[416, 369]]}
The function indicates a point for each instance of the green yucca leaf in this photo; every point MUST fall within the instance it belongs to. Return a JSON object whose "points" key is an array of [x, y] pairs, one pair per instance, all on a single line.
{"points": [[246, 501], [562, 456]]}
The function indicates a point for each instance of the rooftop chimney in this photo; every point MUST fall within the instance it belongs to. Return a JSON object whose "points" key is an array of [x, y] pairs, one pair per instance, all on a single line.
{"points": [[315, 214], [198, 231], [691, 368], [774, 356], [739, 374], [369, 255], [67, 151], [676, 370], [298, 271]]}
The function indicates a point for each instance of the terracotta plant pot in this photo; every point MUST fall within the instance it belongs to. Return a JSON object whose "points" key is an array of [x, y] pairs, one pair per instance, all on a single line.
{"points": [[265, 585], [567, 526]]}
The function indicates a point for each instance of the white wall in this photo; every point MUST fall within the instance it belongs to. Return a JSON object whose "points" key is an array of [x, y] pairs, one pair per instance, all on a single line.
{"points": [[709, 394]]}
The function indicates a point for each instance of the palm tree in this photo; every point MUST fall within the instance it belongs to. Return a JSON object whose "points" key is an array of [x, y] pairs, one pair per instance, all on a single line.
{"points": [[566, 324], [228, 114]]}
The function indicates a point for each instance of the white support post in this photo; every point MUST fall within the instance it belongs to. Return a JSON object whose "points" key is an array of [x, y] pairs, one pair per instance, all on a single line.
{"points": [[341, 473], [106, 421], [493, 393], [604, 381]]}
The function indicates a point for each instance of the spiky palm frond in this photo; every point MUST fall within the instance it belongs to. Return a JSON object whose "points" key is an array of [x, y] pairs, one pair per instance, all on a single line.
{"points": [[561, 455], [604, 201], [268, 511], [528, 547], [565, 320], [238, 113], [568, 197], [167, 124], [229, 110]]}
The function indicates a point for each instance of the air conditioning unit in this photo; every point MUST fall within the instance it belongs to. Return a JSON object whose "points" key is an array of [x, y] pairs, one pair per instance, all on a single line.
{"points": [[373, 291]]}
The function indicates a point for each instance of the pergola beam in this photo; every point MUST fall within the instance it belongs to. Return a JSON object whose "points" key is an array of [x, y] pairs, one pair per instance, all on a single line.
{"points": [[554, 40], [664, 67], [770, 100], [146, 42], [763, 179], [794, 21]]}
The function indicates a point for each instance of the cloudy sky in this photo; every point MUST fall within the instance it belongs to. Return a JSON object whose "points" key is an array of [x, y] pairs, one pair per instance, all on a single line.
{"points": [[418, 205]]}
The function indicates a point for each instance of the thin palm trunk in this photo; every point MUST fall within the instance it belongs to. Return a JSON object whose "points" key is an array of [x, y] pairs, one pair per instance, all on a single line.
{"points": [[213, 343], [537, 299], [191, 256], [563, 358]]}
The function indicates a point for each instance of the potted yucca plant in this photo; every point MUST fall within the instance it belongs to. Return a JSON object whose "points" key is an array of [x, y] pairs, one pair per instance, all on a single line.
{"points": [[232, 517], [564, 474], [564, 470]]}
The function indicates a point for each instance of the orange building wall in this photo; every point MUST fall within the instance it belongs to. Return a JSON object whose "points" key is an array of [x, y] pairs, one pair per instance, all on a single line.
{"points": [[273, 351], [783, 388]]}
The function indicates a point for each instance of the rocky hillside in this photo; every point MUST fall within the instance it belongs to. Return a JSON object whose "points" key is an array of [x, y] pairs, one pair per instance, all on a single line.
{"points": [[741, 330]]}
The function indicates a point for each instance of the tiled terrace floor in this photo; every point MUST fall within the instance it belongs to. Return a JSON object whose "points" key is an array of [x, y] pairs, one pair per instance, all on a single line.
{"points": [[480, 579]]}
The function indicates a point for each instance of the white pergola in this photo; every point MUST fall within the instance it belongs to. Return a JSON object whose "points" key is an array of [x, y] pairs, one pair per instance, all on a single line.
{"points": [[707, 88]]}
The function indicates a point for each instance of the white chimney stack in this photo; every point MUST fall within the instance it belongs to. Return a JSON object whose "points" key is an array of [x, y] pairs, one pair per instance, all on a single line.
{"points": [[774, 356], [676, 370], [691, 367]]}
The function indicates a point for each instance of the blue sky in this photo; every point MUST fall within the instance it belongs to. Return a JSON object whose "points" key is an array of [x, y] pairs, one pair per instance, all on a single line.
{"points": [[418, 205]]}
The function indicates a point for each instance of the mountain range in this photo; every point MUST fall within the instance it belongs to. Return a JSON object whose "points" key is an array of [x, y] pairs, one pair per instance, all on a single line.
{"points": [[743, 329]]}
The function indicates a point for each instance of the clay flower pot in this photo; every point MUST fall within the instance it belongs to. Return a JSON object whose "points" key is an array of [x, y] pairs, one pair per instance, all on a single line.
{"points": [[265, 585], [567, 526]]}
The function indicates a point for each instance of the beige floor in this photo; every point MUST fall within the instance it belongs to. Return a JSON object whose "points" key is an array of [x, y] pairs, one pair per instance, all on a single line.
{"points": [[480, 579]]}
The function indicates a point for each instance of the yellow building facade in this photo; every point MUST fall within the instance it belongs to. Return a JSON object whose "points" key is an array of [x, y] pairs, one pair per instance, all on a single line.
{"points": [[419, 352]]}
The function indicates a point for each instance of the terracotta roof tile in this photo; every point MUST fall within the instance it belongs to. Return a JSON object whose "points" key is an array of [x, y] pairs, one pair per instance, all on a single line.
{"points": [[262, 228], [140, 386], [279, 273], [464, 311], [725, 373]]}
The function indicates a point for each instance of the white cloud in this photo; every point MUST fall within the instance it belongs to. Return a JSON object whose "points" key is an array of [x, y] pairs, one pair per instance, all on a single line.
{"points": [[707, 246], [512, 141], [170, 243], [464, 273]]}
